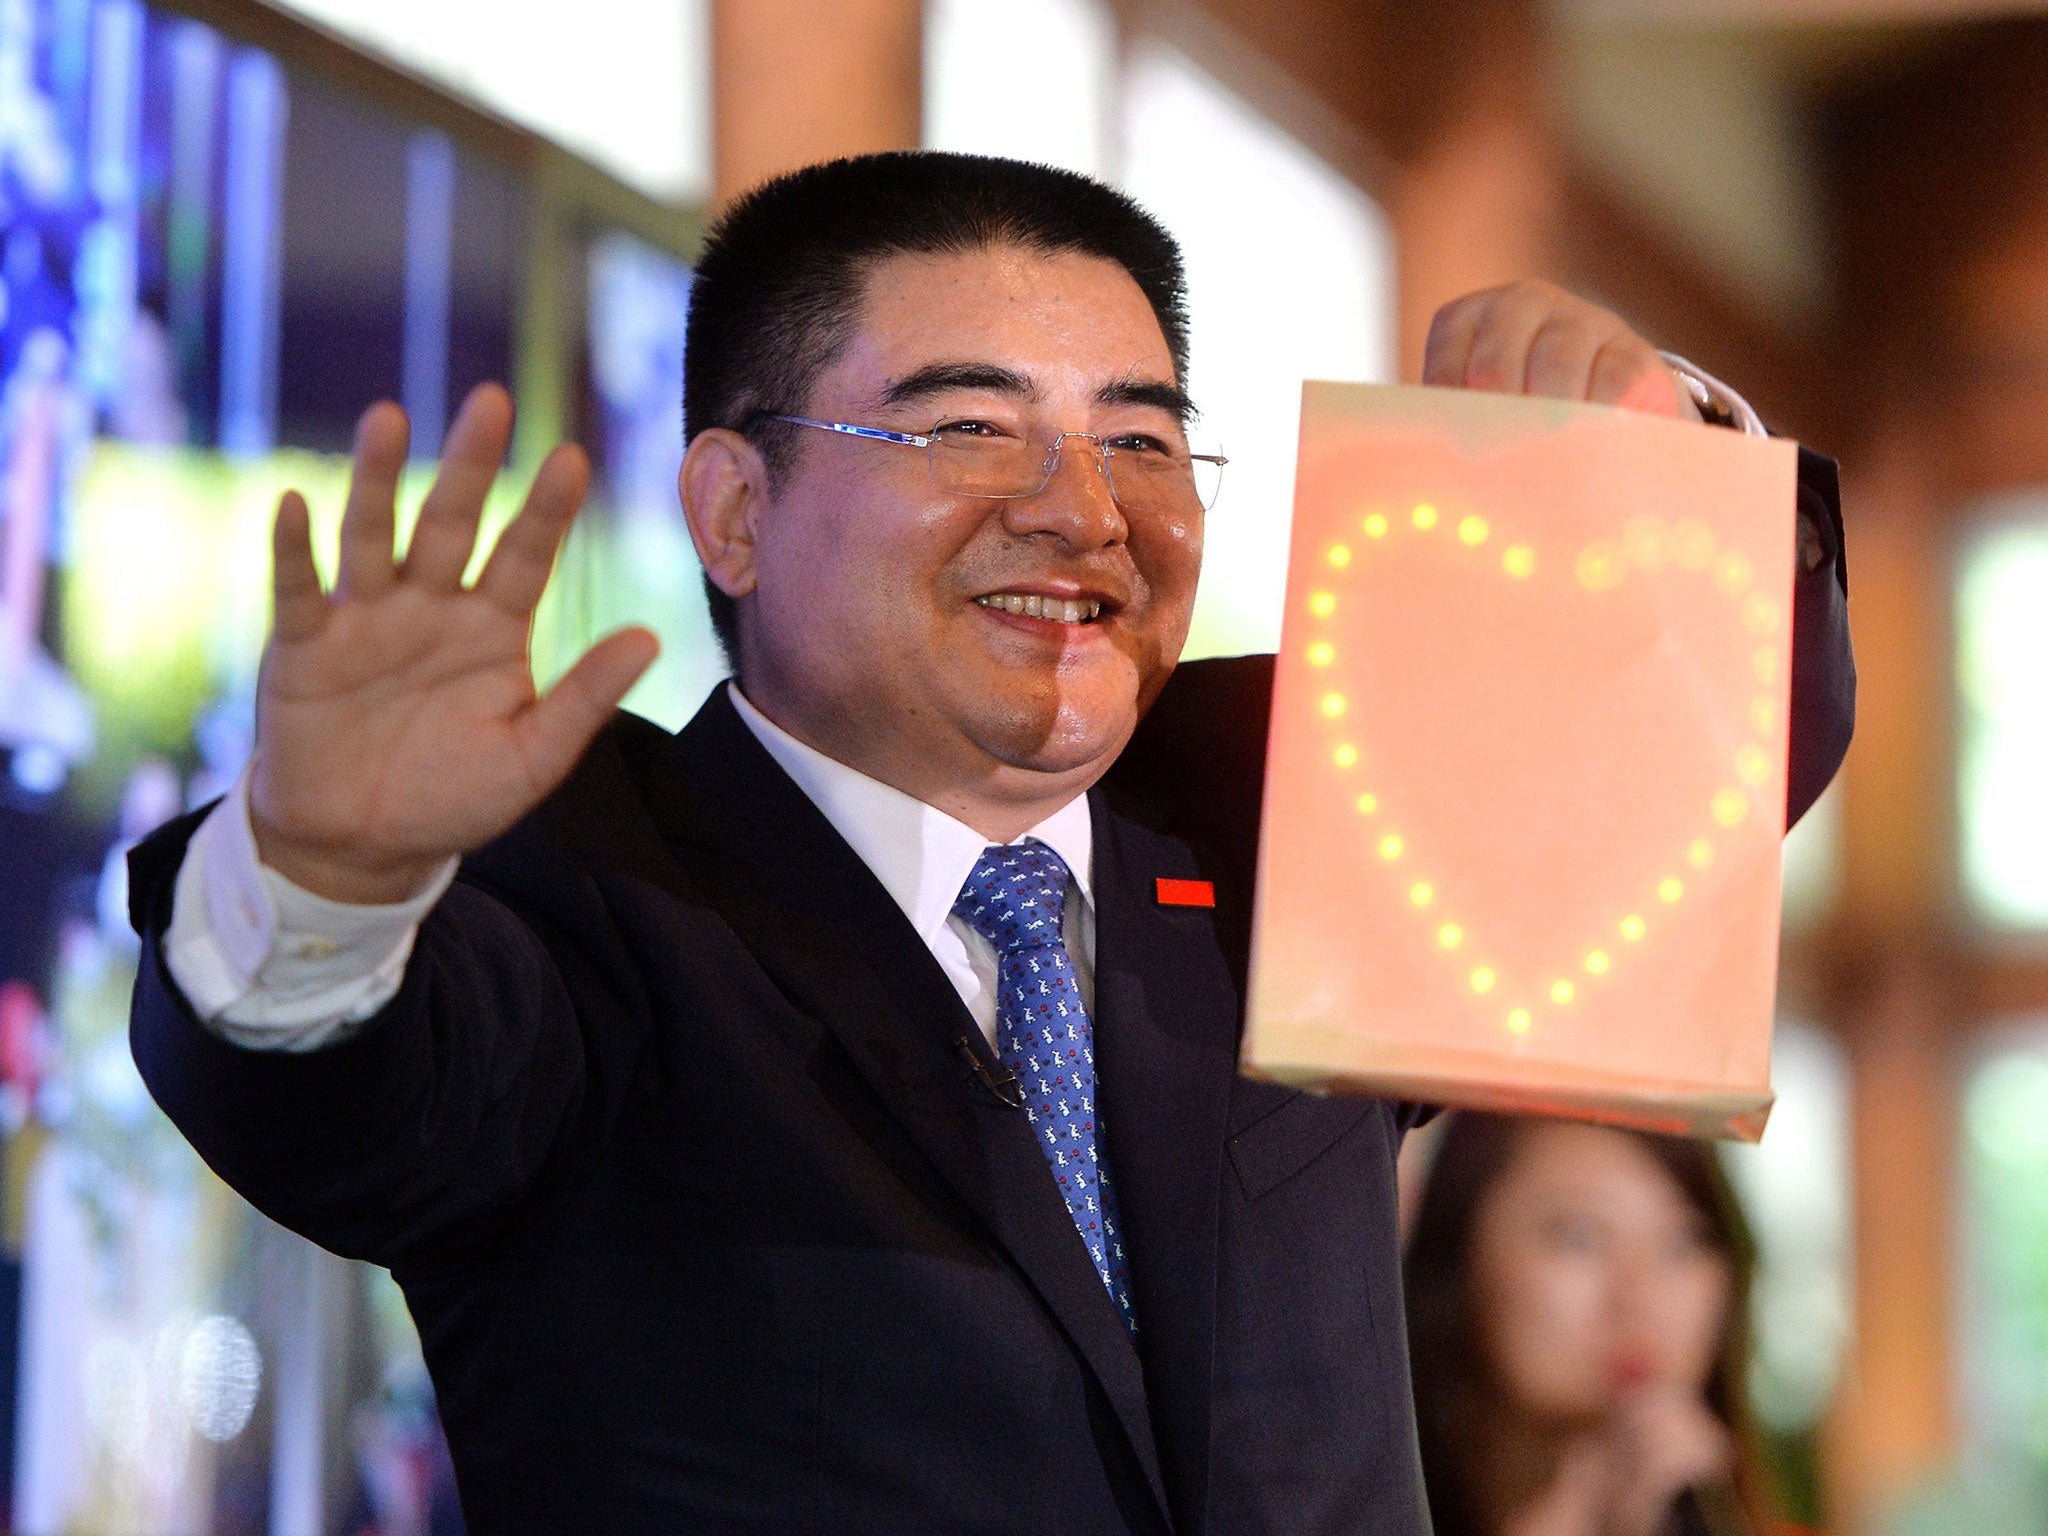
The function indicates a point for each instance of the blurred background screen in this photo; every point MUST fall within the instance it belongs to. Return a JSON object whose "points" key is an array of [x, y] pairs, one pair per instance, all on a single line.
{"points": [[214, 255]]}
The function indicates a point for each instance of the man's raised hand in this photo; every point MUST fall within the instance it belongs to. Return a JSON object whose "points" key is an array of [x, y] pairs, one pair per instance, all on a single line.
{"points": [[396, 718], [1533, 338]]}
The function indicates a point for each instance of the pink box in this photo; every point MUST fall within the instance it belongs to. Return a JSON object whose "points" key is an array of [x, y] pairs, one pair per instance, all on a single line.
{"points": [[1526, 784]]}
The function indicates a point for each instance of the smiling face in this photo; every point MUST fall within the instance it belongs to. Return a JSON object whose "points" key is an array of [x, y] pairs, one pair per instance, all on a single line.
{"points": [[990, 657], [1592, 1275]]}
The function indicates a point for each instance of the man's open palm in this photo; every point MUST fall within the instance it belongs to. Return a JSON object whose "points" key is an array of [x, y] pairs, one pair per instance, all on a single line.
{"points": [[396, 718]]}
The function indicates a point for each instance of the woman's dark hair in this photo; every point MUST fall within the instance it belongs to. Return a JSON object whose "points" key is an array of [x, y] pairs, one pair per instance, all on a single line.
{"points": [[1456, 1392], [778, 291]]}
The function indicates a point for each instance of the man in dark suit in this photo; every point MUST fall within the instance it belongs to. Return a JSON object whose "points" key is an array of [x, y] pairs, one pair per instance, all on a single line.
{"points": [[812, 1120]]}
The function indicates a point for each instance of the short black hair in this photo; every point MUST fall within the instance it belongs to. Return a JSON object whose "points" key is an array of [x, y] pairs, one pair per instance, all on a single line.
{"points": [[778, 290]]}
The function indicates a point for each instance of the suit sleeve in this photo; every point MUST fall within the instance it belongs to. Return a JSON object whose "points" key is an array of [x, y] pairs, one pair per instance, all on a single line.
{"points": [[1823, 664], [424, 1135]]}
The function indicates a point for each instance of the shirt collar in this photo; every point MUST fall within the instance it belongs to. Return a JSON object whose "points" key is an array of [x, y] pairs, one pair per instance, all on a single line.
{"points": [[921, 855]]}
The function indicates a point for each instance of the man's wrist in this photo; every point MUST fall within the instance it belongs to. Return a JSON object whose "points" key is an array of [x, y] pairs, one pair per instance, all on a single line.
{"points": [[333, 876]]}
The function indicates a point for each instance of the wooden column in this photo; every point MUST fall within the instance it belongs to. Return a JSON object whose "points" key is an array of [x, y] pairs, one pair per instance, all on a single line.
{"points": [[1893, 1424], [1902, 999], [1453, 98], [1475, 208], [795, 81]]}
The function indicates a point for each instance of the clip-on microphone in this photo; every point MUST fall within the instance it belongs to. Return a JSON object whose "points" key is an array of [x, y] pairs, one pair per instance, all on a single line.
{"points": [[999, 1082]]}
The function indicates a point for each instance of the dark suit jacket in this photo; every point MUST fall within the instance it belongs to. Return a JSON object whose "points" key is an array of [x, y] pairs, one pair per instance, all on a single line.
{"points": [[671, 1139]]}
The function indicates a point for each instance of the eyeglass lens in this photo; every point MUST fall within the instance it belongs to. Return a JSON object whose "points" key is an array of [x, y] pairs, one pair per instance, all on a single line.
{"points": [[1140, 479]]}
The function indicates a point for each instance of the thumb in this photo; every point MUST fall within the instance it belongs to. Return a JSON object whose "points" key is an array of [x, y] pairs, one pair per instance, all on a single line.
{"points": [[1658, 392], [556, 728]]}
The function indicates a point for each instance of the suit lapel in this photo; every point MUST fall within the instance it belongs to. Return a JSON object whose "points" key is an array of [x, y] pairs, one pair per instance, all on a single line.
{"points": [[819, 922], [1166, 1032]]}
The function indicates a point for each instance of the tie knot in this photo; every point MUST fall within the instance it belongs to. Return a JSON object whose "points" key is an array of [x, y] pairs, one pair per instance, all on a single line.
{"points": [[1016, 896]]}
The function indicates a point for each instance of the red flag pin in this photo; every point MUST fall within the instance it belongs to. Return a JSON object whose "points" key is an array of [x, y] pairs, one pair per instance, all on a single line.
{"points": [[1186, 893]]}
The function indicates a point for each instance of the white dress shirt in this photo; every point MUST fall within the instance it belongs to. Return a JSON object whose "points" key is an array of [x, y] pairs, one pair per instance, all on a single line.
{"points": [[271, 966]]}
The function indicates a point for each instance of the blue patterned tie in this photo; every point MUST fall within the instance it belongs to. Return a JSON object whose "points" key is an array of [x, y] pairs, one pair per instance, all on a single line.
{"points": [[1016, 899]]}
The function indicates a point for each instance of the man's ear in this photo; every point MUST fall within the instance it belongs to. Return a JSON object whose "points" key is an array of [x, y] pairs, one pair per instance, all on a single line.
{"points": [[724, 486]]}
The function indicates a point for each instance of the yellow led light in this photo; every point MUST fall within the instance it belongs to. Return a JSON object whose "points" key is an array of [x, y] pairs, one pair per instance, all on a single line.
{"points": [[1648, 542], [1600, 567], [1733, 573], [1692, 545]]}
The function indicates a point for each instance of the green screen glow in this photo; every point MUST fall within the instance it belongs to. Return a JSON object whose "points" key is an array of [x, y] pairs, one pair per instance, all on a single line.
{"points": [[2002, 687]]}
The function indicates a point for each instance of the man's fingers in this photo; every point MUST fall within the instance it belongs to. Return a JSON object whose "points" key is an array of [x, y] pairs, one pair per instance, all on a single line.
{"points": [[366, 524], [1629, 373], [445, 536], [1498, 360], [1533, 338], [557, 727], [1560, 364], [1451, 330], [1481, 341], [300, 606], [518, 569]]}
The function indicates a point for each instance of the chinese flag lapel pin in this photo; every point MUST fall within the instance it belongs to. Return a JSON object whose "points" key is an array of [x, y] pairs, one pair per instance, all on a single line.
{"points": [[1186, 893]]}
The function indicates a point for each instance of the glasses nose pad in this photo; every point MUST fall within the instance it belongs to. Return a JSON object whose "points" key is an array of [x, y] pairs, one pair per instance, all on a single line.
{"points": [[1096, 453]]}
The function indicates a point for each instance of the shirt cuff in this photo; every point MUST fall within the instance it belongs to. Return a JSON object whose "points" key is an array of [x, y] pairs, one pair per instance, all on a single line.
{"points": [[269, 965], [1716, 401]]}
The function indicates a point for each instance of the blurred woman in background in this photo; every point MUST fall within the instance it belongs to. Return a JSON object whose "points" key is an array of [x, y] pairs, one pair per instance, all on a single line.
{"points": [[1577, 1299]]}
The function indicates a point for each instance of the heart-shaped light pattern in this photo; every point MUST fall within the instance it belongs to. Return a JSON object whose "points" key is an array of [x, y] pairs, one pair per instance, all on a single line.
{"points": [[1649, 545]]}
